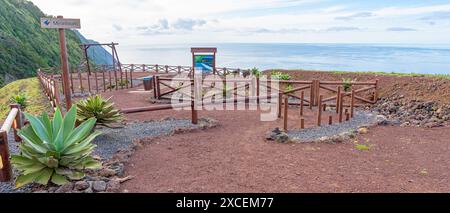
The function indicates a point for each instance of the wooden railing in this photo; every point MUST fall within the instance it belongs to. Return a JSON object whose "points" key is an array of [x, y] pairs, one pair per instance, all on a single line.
{"points": [[13, 121], [50, 84], [109, 77]]}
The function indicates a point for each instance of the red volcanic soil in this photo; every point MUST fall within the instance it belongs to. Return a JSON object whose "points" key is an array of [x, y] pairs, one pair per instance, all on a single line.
{"points": [[411, 87], [235, 157]]}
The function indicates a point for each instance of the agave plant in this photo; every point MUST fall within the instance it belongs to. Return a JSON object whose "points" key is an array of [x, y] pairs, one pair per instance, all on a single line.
{"points": [[99, 108], [54, 150]]}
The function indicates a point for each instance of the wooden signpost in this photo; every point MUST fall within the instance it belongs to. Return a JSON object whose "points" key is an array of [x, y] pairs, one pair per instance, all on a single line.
{"points": [[61, 24]]}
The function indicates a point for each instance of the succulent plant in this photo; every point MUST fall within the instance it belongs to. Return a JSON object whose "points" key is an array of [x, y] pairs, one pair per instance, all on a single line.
{"points": [[54, 150], [101, 109]]}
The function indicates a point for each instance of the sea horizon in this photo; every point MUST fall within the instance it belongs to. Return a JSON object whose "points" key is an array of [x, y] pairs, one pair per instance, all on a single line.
{"points": [[352, 57]]}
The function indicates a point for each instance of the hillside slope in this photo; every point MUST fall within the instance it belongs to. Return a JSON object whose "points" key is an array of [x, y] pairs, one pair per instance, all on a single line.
{"points": [[36, 99], [25, 46]]}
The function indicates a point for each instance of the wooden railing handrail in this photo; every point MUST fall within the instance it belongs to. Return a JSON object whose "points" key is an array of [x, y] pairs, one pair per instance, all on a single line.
{"points": [[9, 120]]}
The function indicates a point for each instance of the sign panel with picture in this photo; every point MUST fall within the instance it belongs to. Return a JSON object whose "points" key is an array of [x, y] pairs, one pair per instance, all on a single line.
{"points": [[204, 63]]}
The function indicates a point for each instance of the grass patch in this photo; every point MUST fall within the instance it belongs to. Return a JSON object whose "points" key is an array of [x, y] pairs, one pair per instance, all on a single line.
{"points": [[37, 102], [362, 147]]}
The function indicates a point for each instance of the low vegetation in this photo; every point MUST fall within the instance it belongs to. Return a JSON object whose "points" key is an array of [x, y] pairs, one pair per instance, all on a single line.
{"points": [[54, 150], [347, 84], [101, 109], [280, 76], [20, 99], [36, 101]]}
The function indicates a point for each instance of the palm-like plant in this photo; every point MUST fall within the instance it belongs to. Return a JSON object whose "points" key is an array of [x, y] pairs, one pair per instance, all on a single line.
{"points": [[54, 150], [99, 108]]}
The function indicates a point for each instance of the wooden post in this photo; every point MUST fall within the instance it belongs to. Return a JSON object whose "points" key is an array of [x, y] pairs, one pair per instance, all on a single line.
{"points": [[324, 107], [286, 108], [5, 165], [338, 97], [158, 89], [302, 102], [341, 107], [330, 120], [317, 93], [131, 75], [110, 80], [193, 104], [104, 80], [65, 67], [352, 104], [18, 123], [96, 81], [311, 95], [156, 67], [280, 103], [302, 123], [347, 116], [375, 96], [155, 95], [126, 78], [81, 80], [319, 111], [257, 90], [71, 81], [167, 68], [89, 82]]}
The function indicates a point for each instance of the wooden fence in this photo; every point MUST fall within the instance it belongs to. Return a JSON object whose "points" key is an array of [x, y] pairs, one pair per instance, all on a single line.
{"points": [[13, 121], [51, 87], [108, 77]]}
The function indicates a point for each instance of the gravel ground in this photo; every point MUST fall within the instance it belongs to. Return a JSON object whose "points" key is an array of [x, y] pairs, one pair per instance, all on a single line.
{"points": [[315, 133], [8, 187], [111, 141]]}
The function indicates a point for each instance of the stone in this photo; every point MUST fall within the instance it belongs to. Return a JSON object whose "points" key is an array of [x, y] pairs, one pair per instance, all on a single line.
{"points": [[53, 189], [66, 188], [99, 186], [382, 120], [81, 185], [363, 130], [107, 172], [113, 186], [89, 190], [432, 125]]}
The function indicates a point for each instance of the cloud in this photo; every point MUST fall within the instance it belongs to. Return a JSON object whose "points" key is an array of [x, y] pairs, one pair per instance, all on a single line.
{"points": [[188, 24], [117, 27], [436, 16], [163, 27], [355, 16], [400, 29], [342, 29]]}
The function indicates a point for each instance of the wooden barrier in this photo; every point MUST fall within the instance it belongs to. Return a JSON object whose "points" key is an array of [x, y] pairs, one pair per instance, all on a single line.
{"points": [[50, 87], [14, 121]]}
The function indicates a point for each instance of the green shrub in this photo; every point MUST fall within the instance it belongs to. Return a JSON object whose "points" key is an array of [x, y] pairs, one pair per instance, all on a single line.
{"points": [[256, 72], [123, 83], [288, 88], [20, 99], [54, 150], [99, 108], [347, 83], [281, 76]]}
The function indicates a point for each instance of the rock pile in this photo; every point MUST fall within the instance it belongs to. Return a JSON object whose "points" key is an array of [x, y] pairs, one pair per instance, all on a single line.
{"points": [[398, 111]]}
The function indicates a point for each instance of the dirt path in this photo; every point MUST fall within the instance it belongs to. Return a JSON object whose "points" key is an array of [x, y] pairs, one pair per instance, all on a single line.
{"points": [[234, 157]]}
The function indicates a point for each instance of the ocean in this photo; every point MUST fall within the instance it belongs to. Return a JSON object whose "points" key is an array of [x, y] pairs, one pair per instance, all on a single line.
{"points": [[404, 58]]}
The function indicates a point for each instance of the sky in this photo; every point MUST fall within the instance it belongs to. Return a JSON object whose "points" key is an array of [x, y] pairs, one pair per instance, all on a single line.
{"points": [[150, 22]]}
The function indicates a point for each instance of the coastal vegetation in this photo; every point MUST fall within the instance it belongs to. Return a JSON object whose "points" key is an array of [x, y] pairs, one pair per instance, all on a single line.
{"points": [[36, 102], [55, 150], [101, 109]]}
